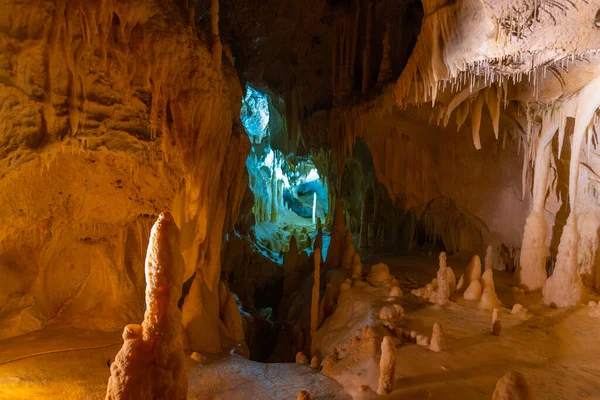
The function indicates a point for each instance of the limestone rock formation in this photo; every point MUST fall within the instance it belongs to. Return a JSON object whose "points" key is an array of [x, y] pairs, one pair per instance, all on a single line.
{"points": [[301, 358], [438, 341], [387, 366], [472, 273], [564, 287], [513, 386], [151, 363], [379, 275], [356, 266]]}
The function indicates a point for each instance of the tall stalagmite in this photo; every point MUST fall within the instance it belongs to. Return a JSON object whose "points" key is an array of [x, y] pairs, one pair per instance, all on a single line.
{"points": [[151, 363]]}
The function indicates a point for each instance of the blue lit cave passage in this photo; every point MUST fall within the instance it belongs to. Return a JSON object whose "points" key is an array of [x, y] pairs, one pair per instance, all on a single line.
{"points": [[289, 194]]}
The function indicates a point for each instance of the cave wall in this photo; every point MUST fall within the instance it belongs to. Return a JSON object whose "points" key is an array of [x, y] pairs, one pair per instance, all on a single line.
{"points": [[110, 112]]}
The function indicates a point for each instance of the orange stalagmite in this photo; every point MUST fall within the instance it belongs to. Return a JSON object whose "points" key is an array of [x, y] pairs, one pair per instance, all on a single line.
{"points": [[151, 363]]}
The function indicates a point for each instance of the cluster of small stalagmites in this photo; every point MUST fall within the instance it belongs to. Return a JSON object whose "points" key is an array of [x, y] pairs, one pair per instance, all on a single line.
{"points": [[363, 344], [513, 386], [475, 286], [440, 288], [151, 363], [301, 359], [436, 343]]}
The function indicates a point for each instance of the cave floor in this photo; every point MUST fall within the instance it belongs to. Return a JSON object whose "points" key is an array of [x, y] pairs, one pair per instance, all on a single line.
{"points": [[556, 349]]}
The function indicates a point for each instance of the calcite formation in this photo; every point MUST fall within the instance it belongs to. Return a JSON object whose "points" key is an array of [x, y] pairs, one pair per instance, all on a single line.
{"points": [[387, 366], [438, 341], [513, 386], [151, 363]]}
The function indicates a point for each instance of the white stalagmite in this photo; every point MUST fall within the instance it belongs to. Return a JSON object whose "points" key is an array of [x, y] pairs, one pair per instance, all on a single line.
{"points": [[531, 273], [443, 291], [387, 366], [513, 386], [564, 287], [472, 273], [314, 306], [489, 299], [151, 363], [301, 358], [473, 292]]}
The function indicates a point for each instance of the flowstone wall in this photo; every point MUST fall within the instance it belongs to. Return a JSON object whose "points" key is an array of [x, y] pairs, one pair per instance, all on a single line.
{"points": [[111, 112]]}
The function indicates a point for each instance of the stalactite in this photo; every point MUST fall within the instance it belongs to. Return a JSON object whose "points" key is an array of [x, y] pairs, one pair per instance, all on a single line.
{"points": [[476, 108]]}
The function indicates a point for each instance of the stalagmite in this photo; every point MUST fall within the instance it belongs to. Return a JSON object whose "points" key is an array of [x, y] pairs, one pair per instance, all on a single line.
{"points": [[380, 275], [513, 386], [387, 366], [564, 287], [315, 362], [301, 358], [396, 292], [443, 287], [473, 292], [151, 363], [314, 308], [489, 299], [531, 273], [496, 323], [438, 341], [472, 273]]}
